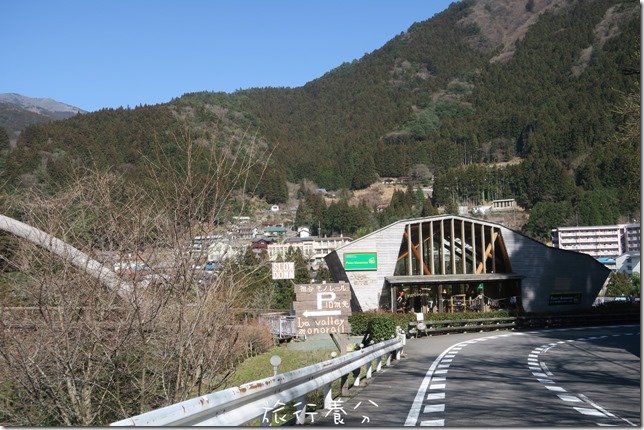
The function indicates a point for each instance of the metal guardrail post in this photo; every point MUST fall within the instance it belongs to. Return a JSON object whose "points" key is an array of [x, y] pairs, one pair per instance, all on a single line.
{"points": [[300, 416], [328, 396], [344, 385], [379, 365], [356, 377]]}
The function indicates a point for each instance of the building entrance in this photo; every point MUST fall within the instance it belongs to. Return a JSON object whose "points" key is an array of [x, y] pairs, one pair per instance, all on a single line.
{"points": [[451, 294]]}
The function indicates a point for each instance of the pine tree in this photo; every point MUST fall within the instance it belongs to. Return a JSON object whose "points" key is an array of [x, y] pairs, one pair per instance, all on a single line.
{"points": [[4, 140], [365, 173], [428, 208], [323, 274]]}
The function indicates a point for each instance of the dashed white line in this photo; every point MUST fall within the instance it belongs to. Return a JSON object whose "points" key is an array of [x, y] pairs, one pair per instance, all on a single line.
{"points": [[433, 423], [590, 411], [434, 408], [555, 388], [435, 396], [595, 410], [595, 405], [538, 369]]}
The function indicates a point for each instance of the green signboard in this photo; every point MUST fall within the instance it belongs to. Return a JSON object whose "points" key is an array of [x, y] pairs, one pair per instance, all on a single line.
{"points": [[361, 261]]}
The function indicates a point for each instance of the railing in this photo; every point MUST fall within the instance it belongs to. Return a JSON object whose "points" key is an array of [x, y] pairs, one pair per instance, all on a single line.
{"points": [[281, 326], [429, 327], [239, 405]]}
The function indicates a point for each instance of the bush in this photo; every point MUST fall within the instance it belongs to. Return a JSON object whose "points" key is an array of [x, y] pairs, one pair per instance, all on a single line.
{"points": [[253, 339], [359, 323], [381, 328]]}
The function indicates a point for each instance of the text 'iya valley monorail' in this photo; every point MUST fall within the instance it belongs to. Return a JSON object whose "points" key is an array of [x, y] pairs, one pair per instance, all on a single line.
{"points": [[436, 259]]}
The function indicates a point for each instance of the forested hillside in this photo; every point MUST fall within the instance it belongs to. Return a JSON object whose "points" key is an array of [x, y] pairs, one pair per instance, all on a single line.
{"points": [[551, 85], [536, 100]]}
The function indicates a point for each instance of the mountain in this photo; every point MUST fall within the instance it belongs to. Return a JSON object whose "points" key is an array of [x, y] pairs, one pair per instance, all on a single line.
{"points": [[533, 100], [42, 106], [18, 111]]}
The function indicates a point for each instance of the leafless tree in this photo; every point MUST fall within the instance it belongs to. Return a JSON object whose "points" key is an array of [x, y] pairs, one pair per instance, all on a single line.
{"points": [[83, 355]]}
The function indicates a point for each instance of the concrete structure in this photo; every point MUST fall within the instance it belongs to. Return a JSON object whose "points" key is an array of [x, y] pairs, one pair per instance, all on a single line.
{"points": [[68, 253], [440, 258], [608, 241], [504, 205], [313, 248], [628, 263]]}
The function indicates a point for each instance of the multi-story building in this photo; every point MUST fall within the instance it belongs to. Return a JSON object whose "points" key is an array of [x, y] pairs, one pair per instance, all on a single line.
{"points": [[632, 237], [314, 249], [628, 263], [603, 241]]}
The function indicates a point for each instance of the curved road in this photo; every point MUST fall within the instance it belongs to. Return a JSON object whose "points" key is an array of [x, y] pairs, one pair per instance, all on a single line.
{"points": [[586, 376]]}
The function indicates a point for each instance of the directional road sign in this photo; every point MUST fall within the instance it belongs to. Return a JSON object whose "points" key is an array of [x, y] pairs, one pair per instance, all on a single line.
{"points": [[322, 308]]}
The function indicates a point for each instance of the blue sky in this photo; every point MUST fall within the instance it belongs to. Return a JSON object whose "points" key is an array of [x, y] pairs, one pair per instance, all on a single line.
{"points": [[96, 54]]}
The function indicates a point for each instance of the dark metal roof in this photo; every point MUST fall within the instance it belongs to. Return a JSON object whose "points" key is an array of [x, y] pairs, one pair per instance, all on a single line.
{"points": [[451, 279]]}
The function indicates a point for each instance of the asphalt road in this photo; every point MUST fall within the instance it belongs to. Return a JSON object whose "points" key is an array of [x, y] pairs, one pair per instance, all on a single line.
{"points": [[541, 378]]}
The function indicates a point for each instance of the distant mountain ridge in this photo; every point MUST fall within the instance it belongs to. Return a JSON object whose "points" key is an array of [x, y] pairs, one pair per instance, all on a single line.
{"points": [[18, 112], [42, 106]]}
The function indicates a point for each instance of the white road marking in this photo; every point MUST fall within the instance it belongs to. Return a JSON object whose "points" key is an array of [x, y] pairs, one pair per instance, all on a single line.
{"points": [[555, 388], [595, 410], [568, 398], [589, 411], [435, 396], [433, 423], [541, 372], [434, 408], [414, 411]]}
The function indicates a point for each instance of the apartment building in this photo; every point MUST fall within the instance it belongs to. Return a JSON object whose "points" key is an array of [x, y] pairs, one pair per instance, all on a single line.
{"points": [[603, 241], [314, 249]]}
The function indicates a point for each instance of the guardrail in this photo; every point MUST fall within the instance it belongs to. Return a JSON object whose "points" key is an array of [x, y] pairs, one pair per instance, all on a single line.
{"points": [[430, 327], [239, 405]]}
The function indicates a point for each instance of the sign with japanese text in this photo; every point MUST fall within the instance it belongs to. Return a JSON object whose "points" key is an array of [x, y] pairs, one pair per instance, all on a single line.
{"points": [[565, 298], [322, 308], [283, 270], [361, 261]]}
